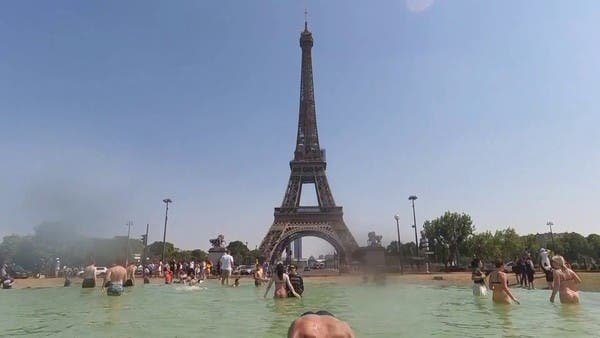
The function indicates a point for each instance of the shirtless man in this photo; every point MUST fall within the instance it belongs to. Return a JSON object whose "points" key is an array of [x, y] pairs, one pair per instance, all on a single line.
{"points": [[115, 278], [89, 276], [319, 325], [130, 279], [259, 276]]}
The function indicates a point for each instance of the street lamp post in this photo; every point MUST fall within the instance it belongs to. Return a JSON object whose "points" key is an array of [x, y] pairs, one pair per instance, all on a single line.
{"points": [[129, 225], [397, 218], [412, 198], [167, 201], [550, 224]]}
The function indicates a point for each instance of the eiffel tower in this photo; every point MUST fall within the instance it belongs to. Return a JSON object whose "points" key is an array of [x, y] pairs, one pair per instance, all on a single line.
{"points": [[293, 221]]}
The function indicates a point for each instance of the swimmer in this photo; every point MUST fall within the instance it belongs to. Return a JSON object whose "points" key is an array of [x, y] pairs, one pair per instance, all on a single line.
{"points": [[499, 285], [168, 275], [7, 280], [478, 278], [259, 275], [281, 279], [89, 276], [130, 279], [564, 282], [319, 325], [114, 280]]}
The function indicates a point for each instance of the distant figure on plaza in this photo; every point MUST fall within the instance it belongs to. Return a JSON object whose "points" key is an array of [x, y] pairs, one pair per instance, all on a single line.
{"points": [[226, 265], [89, 276], [565, 282], [281, 280], [236, 283], [67, 282], [5, 278], [522, 263], [478, 278], [530, 271], [114, 280], [499, 285], [208, 270], [130, 279], [296, 281], [546, 266], [321, 324], [168, 275], [259, 275]]}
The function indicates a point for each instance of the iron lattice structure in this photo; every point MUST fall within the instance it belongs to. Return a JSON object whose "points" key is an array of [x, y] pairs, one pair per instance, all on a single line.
{"points": [[293, 221]]}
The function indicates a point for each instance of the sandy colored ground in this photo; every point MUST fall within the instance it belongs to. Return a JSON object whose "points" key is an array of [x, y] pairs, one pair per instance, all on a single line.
{"points": [[591, 280]]}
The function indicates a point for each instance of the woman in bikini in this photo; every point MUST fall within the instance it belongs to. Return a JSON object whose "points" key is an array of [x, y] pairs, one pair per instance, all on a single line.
{"points": [[564, 282], [499, 285], [478, 278], [281, 279]]}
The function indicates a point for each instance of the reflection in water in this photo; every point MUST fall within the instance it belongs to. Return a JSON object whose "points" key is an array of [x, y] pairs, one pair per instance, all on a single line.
{"points": [[503, 312]]}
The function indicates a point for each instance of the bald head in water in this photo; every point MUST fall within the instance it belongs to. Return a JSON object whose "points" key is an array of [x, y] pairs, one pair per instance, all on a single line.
{"points": [[319, 326]]}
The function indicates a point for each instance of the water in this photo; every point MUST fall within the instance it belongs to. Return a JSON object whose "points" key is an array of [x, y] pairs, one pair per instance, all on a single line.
{"points": [[395, 310]]}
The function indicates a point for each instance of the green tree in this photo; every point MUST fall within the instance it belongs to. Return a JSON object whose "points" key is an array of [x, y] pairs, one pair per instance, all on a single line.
{"points": [[594, 245], [155, 250], [508, 244], [574, 246], [198, 255], [481, 245], [407, 249], [9, 247], [239, 251], [445, 234]]}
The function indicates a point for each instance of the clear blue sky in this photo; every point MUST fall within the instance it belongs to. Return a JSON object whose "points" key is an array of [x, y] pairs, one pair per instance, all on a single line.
{"points": [[491, 108]]}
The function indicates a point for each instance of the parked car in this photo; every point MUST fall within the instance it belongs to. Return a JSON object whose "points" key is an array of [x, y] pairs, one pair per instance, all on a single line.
{"points": [[101, 271], [307, 268], [16, 271], [508, 267], [246, 269]]}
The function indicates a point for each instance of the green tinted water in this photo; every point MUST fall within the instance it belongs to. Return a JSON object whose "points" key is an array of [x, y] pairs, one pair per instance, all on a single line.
{"points": [[395, 310]]}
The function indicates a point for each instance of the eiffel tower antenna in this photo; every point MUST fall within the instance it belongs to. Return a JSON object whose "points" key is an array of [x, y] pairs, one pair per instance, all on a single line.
{"points": [[305, 17]]}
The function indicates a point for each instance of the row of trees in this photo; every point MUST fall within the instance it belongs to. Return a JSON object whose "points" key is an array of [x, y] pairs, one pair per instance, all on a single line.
{"points": [[451, 239], [52, 240]]}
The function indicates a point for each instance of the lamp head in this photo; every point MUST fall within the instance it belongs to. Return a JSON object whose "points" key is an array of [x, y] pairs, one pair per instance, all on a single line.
{"points": [[412, 197], [396, 217], [167, 200]]}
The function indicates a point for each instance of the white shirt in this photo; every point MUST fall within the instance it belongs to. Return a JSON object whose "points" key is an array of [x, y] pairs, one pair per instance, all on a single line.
{"points": [[226, 262]]}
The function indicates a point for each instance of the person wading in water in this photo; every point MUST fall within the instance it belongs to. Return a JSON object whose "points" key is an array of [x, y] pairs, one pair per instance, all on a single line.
{"points": [[281, 279], [499, 285]]}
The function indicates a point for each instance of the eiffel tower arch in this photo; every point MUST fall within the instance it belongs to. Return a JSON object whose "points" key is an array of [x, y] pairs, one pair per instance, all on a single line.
{"points": [[293, 221]]}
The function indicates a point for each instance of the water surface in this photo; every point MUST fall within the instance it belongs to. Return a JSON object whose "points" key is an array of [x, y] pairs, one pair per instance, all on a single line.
{"points": [[394, 310]]}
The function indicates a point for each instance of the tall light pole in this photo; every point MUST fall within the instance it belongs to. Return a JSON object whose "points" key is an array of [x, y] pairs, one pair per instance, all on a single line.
{"points": [[413, 198], [129, 225], [167, 201], [397, 218], [550, 224]]}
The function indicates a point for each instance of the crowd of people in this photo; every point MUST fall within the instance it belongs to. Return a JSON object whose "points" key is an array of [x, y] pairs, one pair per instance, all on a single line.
{"points": [[560, 278]]}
